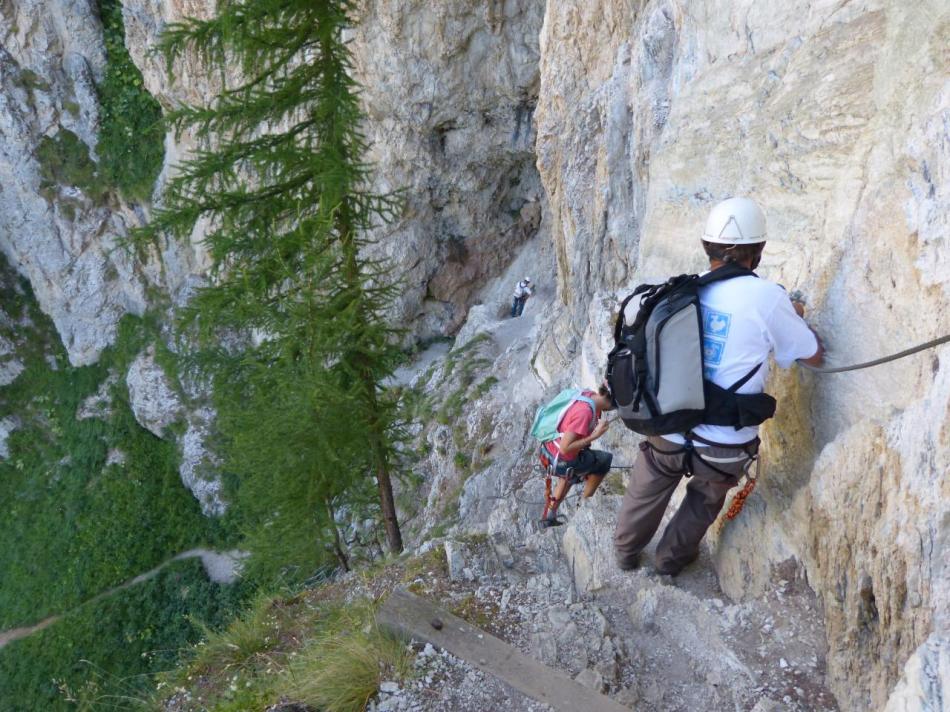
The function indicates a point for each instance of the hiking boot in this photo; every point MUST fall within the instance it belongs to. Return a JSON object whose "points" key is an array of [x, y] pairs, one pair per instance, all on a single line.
{"points": [[550, 521], [628, 563], [671, 569]]}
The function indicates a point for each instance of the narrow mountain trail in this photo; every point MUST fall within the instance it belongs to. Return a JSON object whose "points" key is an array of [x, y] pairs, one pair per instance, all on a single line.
{"points": [[221, 567], [650, 642]]}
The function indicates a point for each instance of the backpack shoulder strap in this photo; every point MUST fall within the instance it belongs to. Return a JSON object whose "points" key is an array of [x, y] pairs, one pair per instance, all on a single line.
{"points": [[727, 271], [745, 379], [618, 325], [593, 408], [649, 295], [583, 399]]}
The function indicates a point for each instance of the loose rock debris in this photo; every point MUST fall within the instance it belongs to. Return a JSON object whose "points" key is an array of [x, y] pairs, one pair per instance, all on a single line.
{"points": [[649, 642]]}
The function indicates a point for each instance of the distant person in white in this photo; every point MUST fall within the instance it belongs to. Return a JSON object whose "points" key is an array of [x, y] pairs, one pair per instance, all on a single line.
{"points": [[523, 290], [744, 320]]}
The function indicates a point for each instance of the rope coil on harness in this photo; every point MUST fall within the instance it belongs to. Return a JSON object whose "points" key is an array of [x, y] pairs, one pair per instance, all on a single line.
{"points": [[738, 502]]}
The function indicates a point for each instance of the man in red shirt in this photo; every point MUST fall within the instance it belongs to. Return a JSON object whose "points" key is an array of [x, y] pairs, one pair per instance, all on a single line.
{"points": [[579, 427]]}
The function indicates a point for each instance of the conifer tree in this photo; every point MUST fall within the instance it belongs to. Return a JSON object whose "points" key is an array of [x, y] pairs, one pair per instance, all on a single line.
{"points": [[280, 179]]}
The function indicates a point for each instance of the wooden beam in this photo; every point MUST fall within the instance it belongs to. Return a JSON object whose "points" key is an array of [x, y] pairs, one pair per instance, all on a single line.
{"points": [[414, 617]]}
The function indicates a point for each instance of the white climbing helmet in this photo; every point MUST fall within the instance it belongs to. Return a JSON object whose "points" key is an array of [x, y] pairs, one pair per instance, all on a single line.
{"points": [[736, 221]]}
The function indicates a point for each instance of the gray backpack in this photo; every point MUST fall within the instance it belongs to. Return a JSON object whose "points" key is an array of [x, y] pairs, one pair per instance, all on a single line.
{"points": [[655, 370]]}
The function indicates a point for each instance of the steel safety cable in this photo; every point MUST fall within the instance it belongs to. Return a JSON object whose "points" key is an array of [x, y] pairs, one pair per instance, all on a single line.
{"points": [[877, 362]]}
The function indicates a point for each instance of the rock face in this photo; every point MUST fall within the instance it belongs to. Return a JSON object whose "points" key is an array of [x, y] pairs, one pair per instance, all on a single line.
{"points": [[51, 54], [450, 92], [924, 683], [155, 404]]}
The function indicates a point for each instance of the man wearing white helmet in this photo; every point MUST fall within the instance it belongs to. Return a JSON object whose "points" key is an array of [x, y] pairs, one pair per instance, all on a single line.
{"points": [[523, 290], [745, 319]]}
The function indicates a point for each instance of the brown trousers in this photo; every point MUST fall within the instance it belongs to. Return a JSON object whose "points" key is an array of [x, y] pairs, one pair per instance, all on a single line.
{"points": [[655, 476]]}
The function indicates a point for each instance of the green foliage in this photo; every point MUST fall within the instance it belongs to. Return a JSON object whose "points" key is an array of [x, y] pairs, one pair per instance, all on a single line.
{"points": [[81, 526], [319, 647], [443, 399], [130, 143], [245, 640], [64, 160], [131, 134], [102, 652], [31, 81], [306, 426], [76, 527]]}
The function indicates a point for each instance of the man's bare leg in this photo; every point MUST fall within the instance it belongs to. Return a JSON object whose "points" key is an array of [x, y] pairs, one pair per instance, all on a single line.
{"points": [[591, 485]]}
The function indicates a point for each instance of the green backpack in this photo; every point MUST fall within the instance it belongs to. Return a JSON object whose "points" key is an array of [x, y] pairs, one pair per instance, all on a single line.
{"points": [[549, 416]]}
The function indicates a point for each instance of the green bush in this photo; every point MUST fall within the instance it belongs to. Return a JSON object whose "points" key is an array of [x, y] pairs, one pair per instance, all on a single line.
{"points": [[79, 525], [64, 160], [131, 135]]}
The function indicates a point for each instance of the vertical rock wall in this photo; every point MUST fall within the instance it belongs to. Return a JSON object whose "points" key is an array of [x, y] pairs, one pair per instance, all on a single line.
{"points": [[61, 238], [834, 117], [450, 90]]}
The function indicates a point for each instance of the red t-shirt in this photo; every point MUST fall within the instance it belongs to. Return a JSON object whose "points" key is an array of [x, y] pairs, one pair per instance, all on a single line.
{"points": [[576, 420]]}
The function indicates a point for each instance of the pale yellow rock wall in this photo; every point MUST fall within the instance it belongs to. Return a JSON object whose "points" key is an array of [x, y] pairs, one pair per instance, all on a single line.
{"points": [[834, 117]]}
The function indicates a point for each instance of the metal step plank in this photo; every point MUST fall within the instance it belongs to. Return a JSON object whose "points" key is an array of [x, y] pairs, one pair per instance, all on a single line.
{"points": [[408, 615]]}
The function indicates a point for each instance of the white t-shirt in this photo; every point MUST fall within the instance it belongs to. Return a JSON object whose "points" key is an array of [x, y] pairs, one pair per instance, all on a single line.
{"points": [[744, 319], [523, 289]]}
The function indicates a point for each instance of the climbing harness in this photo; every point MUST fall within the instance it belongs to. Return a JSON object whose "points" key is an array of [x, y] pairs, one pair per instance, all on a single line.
{"points": [[748, 456], [551, 502], [738, 502], [545, 430]]}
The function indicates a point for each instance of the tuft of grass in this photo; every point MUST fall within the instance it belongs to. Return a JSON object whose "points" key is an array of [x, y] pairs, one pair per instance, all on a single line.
{"points": [[239, 645], [432, 563], [478, 613], [326, 654], [342, 667], [613, 483], [31, 81]]}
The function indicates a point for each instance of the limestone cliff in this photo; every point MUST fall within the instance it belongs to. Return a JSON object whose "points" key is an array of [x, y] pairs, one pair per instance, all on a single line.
{"points": [[450, 93], [582, 142], [834, 117]]}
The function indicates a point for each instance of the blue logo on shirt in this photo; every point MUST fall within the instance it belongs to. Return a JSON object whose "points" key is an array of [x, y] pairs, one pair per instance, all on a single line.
{"points": [[716, 324], [712, 351], [715, 332]]}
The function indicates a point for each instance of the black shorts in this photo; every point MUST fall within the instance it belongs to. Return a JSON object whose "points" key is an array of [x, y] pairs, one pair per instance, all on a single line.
{"points": [[587, 462]]}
